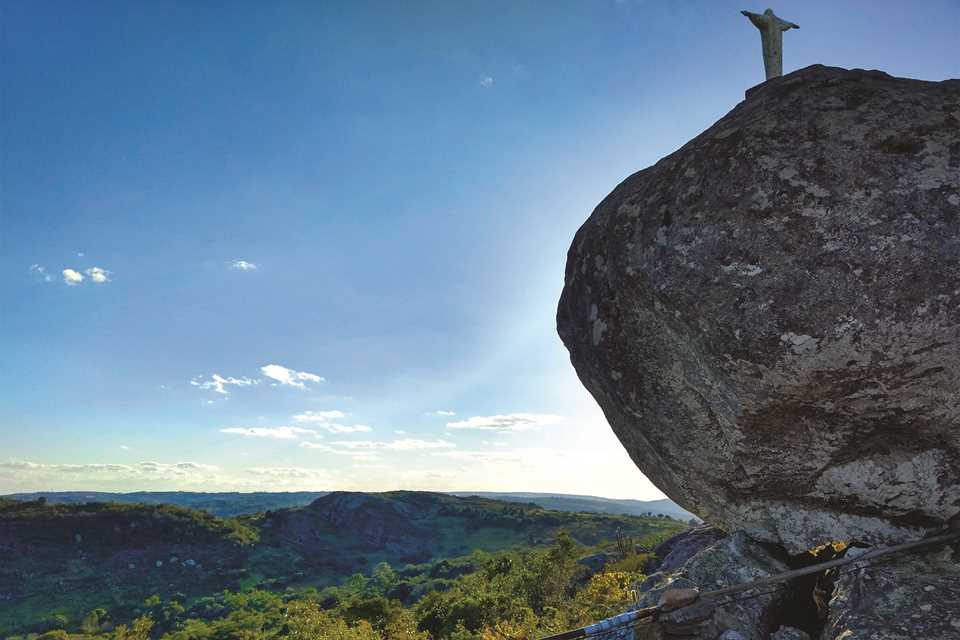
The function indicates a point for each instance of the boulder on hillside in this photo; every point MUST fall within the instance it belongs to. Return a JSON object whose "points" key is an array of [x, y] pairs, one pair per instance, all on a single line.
{"points": [[770, 316]]}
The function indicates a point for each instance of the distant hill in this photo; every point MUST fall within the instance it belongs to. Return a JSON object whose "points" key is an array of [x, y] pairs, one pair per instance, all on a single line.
{"points": [[349, 532], [229, 504], [66, 559], [590, 504], [223, 504], [75, 558]]}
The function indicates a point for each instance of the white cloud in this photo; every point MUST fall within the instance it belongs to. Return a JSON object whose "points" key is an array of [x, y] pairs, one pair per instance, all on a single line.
{"points": [[399, 432], [322, 420], [480, 456], [125, 447], [344, 428], [149, 468], [98, 275], [287, 473], [367, 450], [406, 444], [321, 446], [290, 377], [508, 423], [486, 82], [445, 414], [279, 433], [219, 384], [319, 416], [39, 272], [243, 265], [71, 277], [359, 455], [177, 467]]}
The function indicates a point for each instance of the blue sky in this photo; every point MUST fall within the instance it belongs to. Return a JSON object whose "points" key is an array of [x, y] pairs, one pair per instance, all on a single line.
{"points": [[376, 196]]}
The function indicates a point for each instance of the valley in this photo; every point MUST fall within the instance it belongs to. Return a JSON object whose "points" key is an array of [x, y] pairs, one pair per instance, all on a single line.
{"points": [[67, 560]]}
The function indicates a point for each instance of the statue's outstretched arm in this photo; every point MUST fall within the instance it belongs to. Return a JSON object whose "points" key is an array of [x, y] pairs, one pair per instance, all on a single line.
{"points": [[789, 25], [755, 18]]}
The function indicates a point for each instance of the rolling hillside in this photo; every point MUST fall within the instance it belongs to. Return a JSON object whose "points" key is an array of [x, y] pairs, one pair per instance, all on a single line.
{"points": [[229, 504], [67, 559]]}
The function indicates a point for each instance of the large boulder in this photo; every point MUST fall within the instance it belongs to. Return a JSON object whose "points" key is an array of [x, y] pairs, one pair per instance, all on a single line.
{"points": [[770, 316]]}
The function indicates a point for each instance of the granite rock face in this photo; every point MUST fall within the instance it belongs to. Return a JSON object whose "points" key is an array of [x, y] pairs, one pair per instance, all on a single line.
{"points": [[734, 560], [912, 596], [770, 316], [673, 553]]}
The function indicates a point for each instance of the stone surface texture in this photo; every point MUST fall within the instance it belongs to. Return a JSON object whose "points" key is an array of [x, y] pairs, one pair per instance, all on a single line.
{"points": [[911, 596], [734, 560], [789, 633], [770, 316], [674, 552]]}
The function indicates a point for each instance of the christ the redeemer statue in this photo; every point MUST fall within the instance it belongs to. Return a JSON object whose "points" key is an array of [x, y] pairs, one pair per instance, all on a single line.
{"points": [[771, 34]]}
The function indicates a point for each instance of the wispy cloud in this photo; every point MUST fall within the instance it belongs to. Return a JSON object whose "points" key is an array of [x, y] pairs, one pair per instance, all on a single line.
{"points": [[39, 272], [288, 473], [507, 423], [72, 278], [481, 456], [147, 468], [322, 420], [219, 383], [405, 444], [321, 446], [354, 454], [179, 467], [346, 428], [486, 82], [242, 265], [441, 412], [368, 450], [99, 275], [319, 416], [284, 376], [278, 433]]}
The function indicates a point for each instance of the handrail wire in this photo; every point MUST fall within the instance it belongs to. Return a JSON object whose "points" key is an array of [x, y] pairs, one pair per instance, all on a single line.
{"points": [[651, 612]]}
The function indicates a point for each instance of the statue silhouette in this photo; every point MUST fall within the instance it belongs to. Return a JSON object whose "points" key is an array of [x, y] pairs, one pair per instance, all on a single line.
{"points": [[771, 35]]}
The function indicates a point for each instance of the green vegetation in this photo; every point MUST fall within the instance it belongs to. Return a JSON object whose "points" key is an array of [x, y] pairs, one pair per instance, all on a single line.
{"points": [[402, 565], [228, 504]]}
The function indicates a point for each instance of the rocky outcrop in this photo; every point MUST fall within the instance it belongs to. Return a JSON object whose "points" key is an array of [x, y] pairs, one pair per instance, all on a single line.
{"points": [[910, 596], [770, 316], [789, 633], [731, 561], [673, 553]]}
